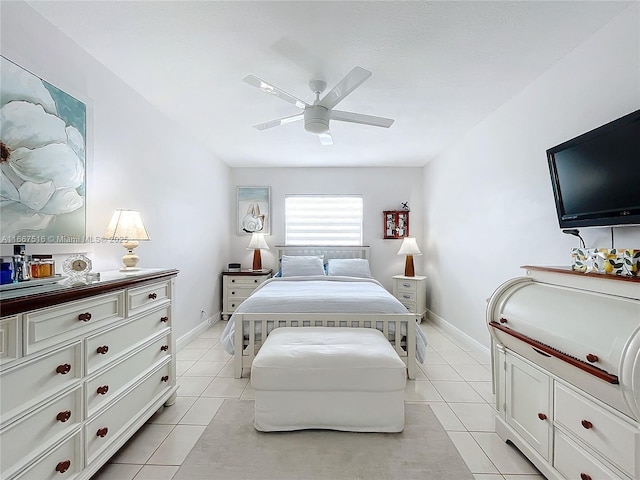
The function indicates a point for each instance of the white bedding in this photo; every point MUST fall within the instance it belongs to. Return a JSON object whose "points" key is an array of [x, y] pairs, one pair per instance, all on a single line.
{"points": [[321, 294]]}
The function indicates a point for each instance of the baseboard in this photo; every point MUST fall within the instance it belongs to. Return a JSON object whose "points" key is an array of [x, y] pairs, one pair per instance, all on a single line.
{"points": [[194, 333], [459, 335]]}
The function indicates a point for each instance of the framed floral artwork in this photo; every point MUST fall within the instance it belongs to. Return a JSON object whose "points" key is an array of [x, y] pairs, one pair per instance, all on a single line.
{"points": [[254, 210], [43, 160]]}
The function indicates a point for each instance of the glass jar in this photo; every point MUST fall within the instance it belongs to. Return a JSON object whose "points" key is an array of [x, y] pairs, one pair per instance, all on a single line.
{"points": [[42, 266], [33, 265]]}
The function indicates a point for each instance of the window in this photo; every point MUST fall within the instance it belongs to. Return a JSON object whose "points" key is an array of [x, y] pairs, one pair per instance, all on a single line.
{"points": [[323, 219]]}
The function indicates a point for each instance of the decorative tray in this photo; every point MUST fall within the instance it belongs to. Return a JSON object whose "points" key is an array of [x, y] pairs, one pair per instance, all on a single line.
{"points": [[31, 283]]}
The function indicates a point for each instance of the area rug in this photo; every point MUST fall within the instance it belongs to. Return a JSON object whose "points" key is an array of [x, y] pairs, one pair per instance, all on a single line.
{"points": [[231, 449]]}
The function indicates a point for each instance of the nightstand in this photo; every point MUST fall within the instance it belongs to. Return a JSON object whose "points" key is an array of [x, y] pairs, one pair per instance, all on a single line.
{"points": [[236, 286], [412, 292]]}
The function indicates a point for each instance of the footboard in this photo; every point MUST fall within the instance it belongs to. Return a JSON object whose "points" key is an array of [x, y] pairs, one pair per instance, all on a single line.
{"points": [[249, 328]]}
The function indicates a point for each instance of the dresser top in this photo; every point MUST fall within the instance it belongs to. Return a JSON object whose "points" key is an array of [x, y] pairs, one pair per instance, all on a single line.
{"points": [[26, 298], [264, 271], [569, 271]]}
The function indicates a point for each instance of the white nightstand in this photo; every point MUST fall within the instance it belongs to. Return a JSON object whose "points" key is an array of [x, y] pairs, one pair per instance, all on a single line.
{"points": [[236, 286], [412, 292]]}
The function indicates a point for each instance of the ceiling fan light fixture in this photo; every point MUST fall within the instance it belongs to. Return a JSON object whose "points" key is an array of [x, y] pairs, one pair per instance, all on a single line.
{"points": [[316, 119], [316, 116]]}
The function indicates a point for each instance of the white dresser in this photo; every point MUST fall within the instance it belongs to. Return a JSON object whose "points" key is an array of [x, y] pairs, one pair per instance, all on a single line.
{"points": [[82, 368], [566, 371], [236, 286], [412, 292]]}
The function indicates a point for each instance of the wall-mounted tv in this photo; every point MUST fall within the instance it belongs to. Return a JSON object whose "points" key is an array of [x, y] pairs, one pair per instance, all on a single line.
{"points": [[596, 176]]}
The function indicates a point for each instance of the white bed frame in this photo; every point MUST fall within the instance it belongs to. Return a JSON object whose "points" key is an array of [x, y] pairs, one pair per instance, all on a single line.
{"points": [[246, 349]]}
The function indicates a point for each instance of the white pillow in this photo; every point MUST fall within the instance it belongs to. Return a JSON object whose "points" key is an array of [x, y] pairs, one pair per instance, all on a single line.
{"points": [[301, 265], [349, 267]]}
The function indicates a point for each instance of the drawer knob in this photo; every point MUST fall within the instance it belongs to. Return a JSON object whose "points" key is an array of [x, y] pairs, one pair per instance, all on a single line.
{"points": [[233, 280], [102, 432], [233, 293], [503, 320], [406, 285], [63, 416], [164, 319], [102, 390], [63, 466], [102, 350], [542, 416], [153, 296], [406, 296], [84, 317], [584, 476], [164, 348], [233, 304], [587, 424], [165, 378], [255, 281], [63, 369], [592, 358]]}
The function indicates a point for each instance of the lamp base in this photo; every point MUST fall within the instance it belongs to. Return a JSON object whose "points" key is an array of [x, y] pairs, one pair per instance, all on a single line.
{"points": [[130, 259], [408, 267], [257, 260]]}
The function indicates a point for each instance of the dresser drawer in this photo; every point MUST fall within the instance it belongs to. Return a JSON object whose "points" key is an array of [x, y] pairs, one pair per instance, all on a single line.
{"points": [[32, 381], [407, 296], [574, 463], [106, 346], [406, 286], [49, 327], [146, 297], [245, 280], [598, 428], [411, 307], [64, 462], [34, 431], [10, 339], [106, 427], [109, 384], [236, 291]]}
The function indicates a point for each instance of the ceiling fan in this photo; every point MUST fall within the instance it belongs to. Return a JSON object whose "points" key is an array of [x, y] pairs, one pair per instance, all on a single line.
{"points": [[316, 116]]}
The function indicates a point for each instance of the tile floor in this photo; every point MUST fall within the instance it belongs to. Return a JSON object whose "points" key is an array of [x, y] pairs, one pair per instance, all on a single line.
{"points": [[455, 380]]}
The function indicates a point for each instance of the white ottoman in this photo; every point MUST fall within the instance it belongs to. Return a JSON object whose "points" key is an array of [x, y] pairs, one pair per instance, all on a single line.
{"points": [[338, 378]]}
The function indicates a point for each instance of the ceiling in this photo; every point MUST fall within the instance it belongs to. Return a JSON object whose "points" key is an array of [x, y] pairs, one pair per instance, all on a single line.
{"points": [[439, 68]]}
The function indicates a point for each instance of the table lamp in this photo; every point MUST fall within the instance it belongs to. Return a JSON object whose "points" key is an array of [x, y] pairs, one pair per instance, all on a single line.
{"points": [[127, 226], [409, 248], [257, 242]]}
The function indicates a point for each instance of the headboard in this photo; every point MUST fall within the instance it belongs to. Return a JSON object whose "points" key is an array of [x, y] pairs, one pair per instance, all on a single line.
{"points": [[327, 251]]}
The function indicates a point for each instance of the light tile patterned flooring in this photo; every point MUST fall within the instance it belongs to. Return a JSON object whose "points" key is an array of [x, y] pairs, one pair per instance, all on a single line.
{"points": [[455, 381]]}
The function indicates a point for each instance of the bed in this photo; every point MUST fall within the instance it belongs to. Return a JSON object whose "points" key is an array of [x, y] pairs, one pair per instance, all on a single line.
{"points": [[345, 297]]}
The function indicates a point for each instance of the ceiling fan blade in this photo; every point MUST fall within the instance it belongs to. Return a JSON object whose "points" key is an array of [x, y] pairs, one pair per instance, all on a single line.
{"points": [[325, 138], [280, 121], [361, 118], [267, 87], [348, 84]]}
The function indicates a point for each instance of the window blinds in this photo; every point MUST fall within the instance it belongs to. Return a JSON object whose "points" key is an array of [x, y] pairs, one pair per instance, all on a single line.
{"points": [[323, 219]]}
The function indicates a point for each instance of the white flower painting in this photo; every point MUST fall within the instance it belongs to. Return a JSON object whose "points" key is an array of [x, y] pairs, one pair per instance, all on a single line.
{"points": [[42, 160]]}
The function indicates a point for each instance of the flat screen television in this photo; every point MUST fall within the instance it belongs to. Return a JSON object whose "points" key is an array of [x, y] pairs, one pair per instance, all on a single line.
{"points": [[596, 176]]}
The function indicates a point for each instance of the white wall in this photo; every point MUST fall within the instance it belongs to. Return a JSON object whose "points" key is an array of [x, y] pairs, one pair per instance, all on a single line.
{"points": [[381, 188], [138, 159], [488, 200]]}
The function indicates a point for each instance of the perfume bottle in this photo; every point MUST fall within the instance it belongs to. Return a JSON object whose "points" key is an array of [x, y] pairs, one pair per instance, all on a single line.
{"points": [[21, 271], [6, 272]]}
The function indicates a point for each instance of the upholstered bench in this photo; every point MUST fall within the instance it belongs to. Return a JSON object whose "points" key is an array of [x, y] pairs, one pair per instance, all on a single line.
{"points": [[340, 378]]}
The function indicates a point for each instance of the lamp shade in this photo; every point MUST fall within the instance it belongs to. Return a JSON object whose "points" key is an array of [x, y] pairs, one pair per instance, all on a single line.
{"points": [[126, 225], [409, 247], [258, 241]]}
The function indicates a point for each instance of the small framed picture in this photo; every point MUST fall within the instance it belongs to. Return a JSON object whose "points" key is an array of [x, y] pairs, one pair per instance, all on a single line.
{"points": [[254, 210]]}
